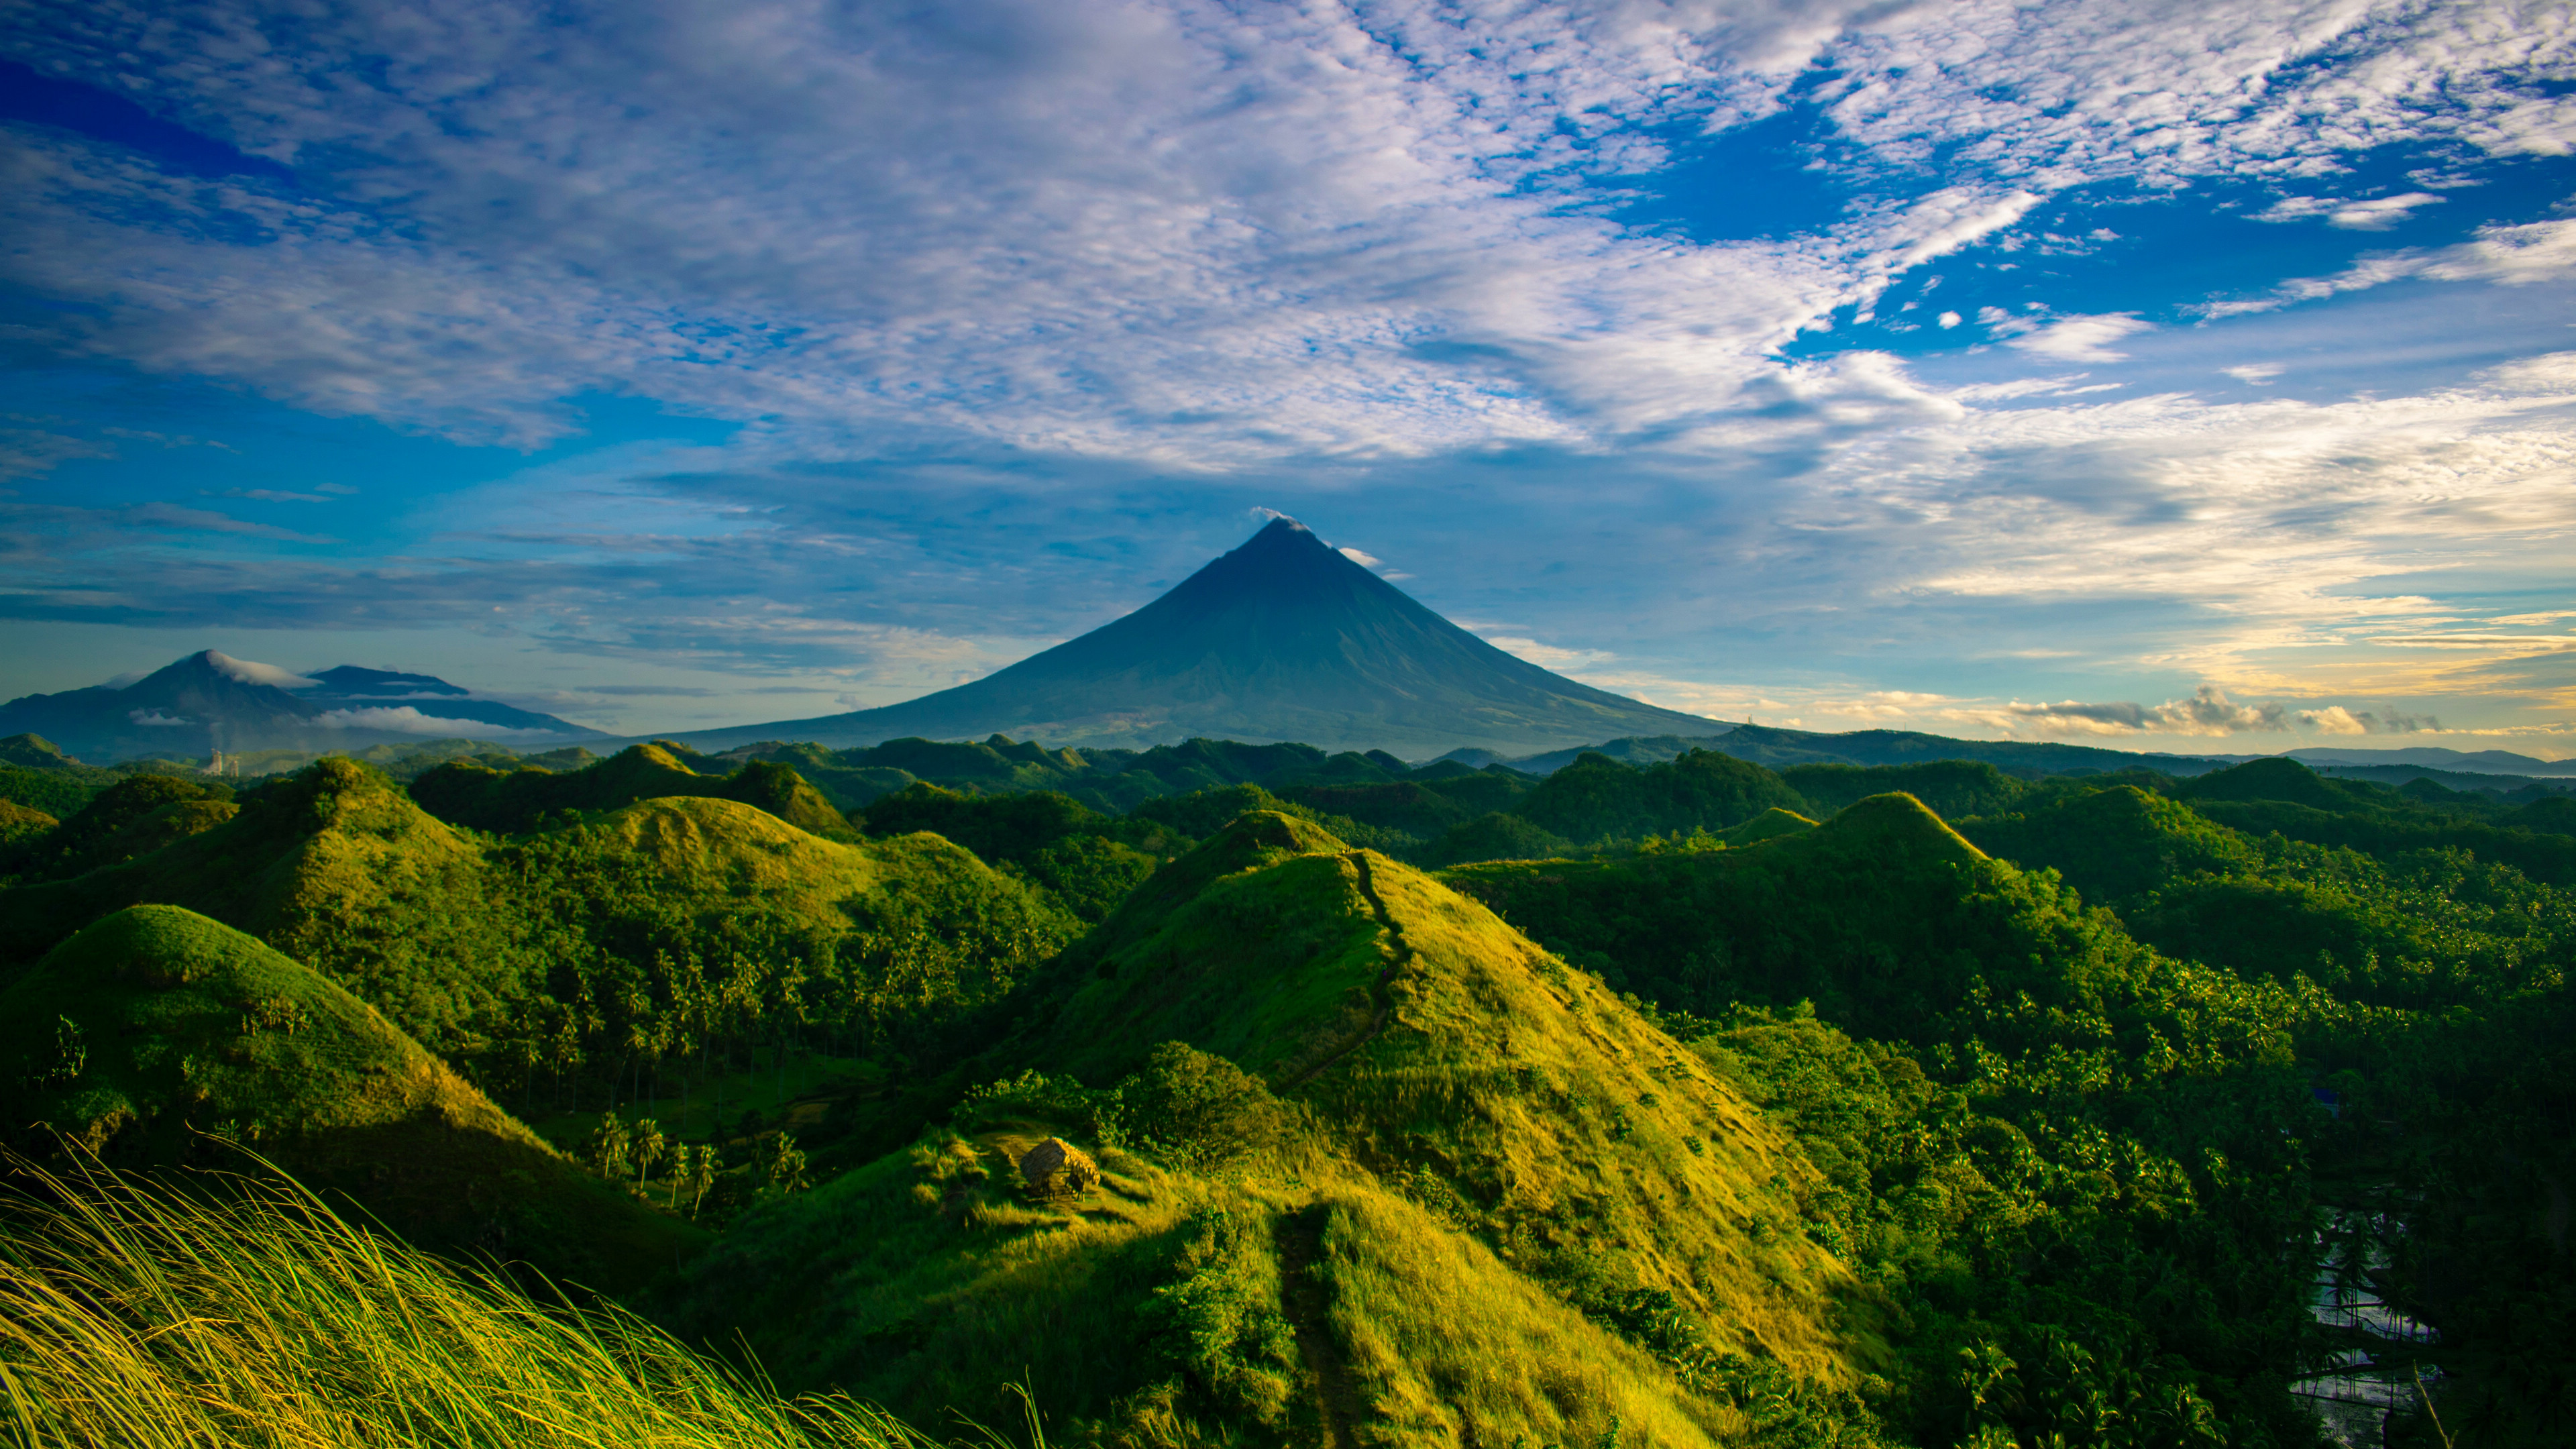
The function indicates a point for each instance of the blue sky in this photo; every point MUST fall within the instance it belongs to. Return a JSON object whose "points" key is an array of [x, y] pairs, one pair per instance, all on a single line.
{"points": [[2179, 375]]}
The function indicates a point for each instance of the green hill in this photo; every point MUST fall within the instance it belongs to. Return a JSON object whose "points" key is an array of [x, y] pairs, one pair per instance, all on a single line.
{"points": [[1495, 836], [662, 934], [1597, 797], [35, 752], [473, 794], [2025, 1120], [2556, 815], [2279, 795], [2410, 928], [157, 1024], [135, 816], [1769, 825], [1086, 861], [1416, 809], [20, 827], [1782, 749], [1808, 915], [1111, 781], [1721, 1124], [333, 848], [36, 774], [2273, 779], [1441, 1199], [1954, 788], [2116, 843]]}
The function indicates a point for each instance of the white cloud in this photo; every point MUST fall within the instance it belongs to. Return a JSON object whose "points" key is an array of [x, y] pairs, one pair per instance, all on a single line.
{"points": [[2374, 214], [2550, 374], [1170, 230], [273, 495], [2482, 641], [408, 720], [2017, 388], [31, 452], [2168, 93], [2256, 374], [1183, 238], [845, 219], [2511, 256], [250, 672], [1548, 656], [1946, 220], [2208, 712], [2071, 339]]}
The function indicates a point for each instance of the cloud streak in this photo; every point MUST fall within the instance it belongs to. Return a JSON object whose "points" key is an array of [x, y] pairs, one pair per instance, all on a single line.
{"points": [[408, 720], [1177, 231], [999, 303], [2208, 712]]}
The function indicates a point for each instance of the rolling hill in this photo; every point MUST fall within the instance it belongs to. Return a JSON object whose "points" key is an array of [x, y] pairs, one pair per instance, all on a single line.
{"points": [[1381, 1172], [635, 914], [1706, 1103], [156, 1026]]}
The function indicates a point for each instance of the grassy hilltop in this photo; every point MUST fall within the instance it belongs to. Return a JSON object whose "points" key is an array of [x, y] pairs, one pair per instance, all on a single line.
{"points": [[1675, 1100], [600, 941], [151, 1033], [1455, 1143]]}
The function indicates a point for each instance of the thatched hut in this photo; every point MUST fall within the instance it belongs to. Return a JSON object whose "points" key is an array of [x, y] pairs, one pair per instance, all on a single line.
{"points": [[1057, 1168]]}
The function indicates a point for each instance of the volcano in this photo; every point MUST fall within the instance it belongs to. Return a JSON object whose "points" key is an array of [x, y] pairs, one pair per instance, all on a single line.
{"points": [[210, 701], [1282, 639]]}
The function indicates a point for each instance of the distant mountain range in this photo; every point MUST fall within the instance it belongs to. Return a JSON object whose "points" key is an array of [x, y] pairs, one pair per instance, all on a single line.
{"points": [[1282, 639], [2475, 762], [210, 701], [1285, 639], [1779, 749]]}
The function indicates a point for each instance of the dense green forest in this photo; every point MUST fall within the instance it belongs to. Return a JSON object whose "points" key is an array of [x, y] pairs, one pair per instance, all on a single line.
{"points": [[1247, 1094]]}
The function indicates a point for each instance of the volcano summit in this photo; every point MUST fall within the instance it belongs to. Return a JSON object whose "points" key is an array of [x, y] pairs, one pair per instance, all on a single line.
{"points": [[1282, 639]]}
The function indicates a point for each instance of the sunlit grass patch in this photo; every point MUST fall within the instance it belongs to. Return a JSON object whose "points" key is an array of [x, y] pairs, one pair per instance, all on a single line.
{"points": [[137, 1314]]}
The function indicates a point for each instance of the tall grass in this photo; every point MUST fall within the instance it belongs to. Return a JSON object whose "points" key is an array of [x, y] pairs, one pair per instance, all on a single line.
{"points": [[133, 1314]]}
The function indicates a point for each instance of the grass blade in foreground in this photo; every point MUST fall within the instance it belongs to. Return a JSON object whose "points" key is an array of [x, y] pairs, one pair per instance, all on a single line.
{"points": [[132, 1314]]}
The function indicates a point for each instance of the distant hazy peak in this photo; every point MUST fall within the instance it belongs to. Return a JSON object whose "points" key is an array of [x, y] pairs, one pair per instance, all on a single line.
{"points": [[245, 671], [210, 701], [352, 681]]}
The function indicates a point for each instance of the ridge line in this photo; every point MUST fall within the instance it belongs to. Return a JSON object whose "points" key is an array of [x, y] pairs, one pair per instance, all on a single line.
{"points": [[1403, 957]]}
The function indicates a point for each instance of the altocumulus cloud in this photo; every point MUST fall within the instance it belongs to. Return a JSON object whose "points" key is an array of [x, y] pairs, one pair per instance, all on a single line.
{"points": [[1038, 221], [2208, 712], [998, 251]]}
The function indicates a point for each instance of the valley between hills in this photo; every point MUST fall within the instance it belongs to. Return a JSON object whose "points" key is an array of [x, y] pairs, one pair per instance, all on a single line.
{"points": [[1260, 1095]]}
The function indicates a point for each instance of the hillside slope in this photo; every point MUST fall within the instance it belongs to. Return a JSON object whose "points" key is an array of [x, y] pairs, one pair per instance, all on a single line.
{"points": [[619, 927], [157, 1025], [473, 794], [1451, 1192]]}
